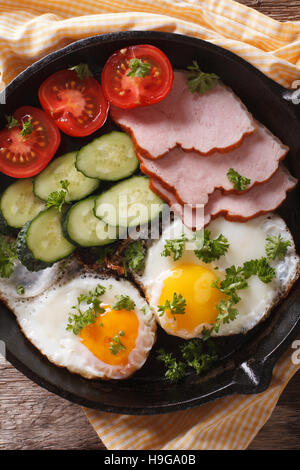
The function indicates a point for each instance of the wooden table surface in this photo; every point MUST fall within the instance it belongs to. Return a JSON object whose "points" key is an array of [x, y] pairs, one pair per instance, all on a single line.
{"points": [[32, 418]]}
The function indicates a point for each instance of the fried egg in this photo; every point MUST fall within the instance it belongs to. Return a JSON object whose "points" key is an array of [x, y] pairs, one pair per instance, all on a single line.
{"points": [[44, 321], [193, 279]]}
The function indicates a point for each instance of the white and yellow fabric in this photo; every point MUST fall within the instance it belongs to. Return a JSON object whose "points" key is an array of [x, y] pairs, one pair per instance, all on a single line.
{"points": [[28, 31]]}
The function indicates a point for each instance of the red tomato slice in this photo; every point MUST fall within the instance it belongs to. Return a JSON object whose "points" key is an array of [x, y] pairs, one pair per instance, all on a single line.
{"points": [[22, 157], [77, 106], [129, 92]]}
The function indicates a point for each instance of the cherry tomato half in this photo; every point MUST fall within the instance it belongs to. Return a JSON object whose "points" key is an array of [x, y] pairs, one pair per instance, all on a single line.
{"points": [[150, 84], [77, 105], [22, 156]]}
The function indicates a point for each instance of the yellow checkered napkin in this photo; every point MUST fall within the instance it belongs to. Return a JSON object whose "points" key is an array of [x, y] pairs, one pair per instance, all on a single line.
{"points": [[31, 29]]}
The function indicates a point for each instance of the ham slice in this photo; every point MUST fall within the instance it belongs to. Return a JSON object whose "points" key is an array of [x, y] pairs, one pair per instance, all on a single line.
{"points": [[215, 120], [260, 199], [194, 177]]}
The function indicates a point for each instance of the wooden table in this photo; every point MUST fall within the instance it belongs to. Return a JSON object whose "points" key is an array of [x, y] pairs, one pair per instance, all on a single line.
{"points": [[32, 418]]}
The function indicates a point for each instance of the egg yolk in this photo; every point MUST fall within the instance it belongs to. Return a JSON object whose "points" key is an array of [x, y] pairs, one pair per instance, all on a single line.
{"points": [[194, 283], [113, 336]]}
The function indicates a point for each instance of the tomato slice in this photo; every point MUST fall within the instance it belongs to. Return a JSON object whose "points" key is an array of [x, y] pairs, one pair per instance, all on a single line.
{"points": [[77, 105], [127, 91], [25, 156]]}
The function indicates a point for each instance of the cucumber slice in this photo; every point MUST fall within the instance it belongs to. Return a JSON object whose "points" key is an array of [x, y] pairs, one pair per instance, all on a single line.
{"points": [[110, 157], [18, 204], [41, 243], [63, 168], [129, 203], [82, 228]]}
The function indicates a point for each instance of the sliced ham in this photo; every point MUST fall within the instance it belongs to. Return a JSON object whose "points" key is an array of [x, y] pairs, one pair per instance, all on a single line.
{"points": [[194, 177], [238, 207], [215, 120]]}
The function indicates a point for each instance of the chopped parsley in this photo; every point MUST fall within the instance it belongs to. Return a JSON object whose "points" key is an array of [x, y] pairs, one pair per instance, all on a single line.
{"points": [[198, 81], [82, 71], [138, 68], [276, 247], [11, 121], [176, 306], [239, 182], [124, 302], [8, 255], [20, 290], [174, 247], [58, 198], [116, 345], [78, 321], [211, 249], [135, 256]]}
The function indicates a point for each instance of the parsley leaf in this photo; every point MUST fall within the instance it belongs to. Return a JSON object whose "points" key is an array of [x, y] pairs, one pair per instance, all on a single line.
{"points": [[196, 357], [58, 198], [259, 267], [27, 128], [20, 290], [82, 71], [239, 182], [11, 121], [124, 303], [135, 256], [138, 68], [176, 307], [78, 321], [226, 313], [175, 369], [116, 345], [211, 249], [175, 247], [276, 247], [198, 81], [7, 256]]}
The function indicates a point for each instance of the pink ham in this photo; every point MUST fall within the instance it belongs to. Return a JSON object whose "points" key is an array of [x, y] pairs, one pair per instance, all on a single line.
{"points": [[215, 120], [239, 207], [194, 177]]}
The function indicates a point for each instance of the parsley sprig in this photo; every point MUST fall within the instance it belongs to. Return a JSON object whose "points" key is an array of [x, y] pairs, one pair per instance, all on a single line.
{"points": [[58, 198], [240, 183], [174, 247], [124, 302], [276, 247], [78, 321], [134, 257], [116, 345], [8, 255], [198, 81], [11, 121], [82, 71], [27, 128], [175, 369], [176, 306], [138, 68], [211, 249]]}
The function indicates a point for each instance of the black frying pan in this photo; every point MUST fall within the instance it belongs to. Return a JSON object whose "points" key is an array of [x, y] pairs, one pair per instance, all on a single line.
{"points": [[246, 361]]}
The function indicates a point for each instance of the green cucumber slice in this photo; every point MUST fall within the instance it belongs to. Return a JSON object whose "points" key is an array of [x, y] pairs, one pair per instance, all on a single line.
{"points": [[128, 203], [110, 157], [82, 228], [63, 168]]}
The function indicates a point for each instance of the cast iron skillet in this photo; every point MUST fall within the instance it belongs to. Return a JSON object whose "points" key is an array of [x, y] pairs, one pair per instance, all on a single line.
{"points": [[246, 361]]}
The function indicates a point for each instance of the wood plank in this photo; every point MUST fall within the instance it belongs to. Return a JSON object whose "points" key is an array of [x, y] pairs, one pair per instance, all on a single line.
{"points": [[281, 10]]}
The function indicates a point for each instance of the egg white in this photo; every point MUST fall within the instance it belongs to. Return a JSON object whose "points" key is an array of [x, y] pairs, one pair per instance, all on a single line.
{"points": [[44, 319], [246, 242]]}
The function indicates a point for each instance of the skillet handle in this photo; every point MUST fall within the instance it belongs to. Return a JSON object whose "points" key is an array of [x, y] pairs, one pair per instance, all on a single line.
{"points": [[292, 96]]}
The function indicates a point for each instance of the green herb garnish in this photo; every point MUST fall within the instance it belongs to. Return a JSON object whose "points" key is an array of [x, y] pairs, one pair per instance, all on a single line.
{"points": [[20, 290], [116, 345], [135, 256], [124, 302], [198, 356], [175, 369], [174, 247], [11, 121], [78, 321], [176, 306], [138, 68], [82, 71], [276, 247], [58, 198], [239, 182], [198, 81], [27, 128], [8, 255], [211, 249]]}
